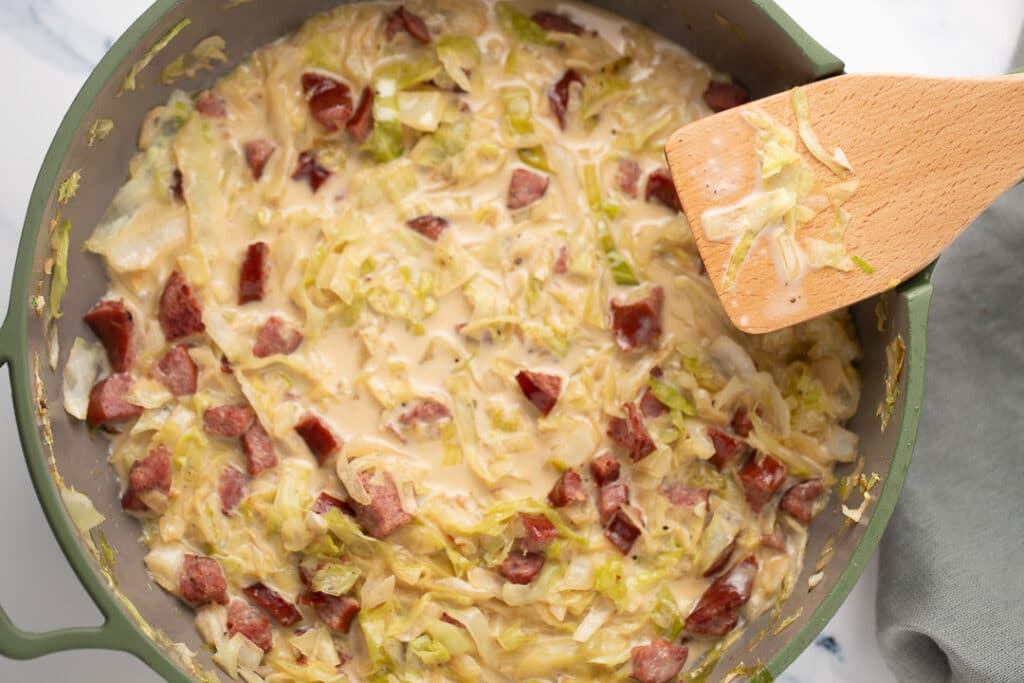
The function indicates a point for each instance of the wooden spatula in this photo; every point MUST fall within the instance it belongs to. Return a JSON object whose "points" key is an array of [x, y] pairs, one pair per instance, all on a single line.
{"points": [[929, 155]]}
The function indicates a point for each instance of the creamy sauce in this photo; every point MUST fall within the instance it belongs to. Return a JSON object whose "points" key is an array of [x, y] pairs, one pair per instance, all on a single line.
{"points": [[390, 319]]}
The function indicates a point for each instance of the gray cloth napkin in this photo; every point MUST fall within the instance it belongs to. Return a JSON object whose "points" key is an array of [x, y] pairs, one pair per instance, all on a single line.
{"points": [[951, 581]]}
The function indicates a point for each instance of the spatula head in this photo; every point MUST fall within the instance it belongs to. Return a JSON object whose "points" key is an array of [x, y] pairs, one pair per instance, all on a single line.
{"points": [[927, 158]]}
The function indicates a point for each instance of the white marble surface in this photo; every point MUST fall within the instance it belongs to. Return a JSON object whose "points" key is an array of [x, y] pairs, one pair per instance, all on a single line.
{"points": [[47, 48]]}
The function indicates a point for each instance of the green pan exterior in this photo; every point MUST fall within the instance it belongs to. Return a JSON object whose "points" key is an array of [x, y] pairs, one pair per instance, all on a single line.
{"points": [[724, 32]]}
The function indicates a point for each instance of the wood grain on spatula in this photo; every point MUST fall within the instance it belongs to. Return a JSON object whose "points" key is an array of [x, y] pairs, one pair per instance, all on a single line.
{"points": [[930, 154]]}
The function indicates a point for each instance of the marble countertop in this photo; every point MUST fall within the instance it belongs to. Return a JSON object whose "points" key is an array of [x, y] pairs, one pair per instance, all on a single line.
{"points": [[48, 48]]}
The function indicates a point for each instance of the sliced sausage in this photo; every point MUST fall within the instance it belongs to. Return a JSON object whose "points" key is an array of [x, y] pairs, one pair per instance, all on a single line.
{"points": [[521, 568], [152, 473], [114, 325], [760, 478], [257, 154], [430, 227], [685, 496], [310, 170], [660, 186], [540, 389], [525, 188], [558, 95], [741, 422], [659, 661], [800, 500], [727, 448], [181, 314], [177, 371], [229, 421], [720, 95], [425, 412], [622, 531], [721, 561], [202, 581], [404, 20], [638, 324], [776, 540], [245, 619], [538, 532], [553, 22], [605, 469], [384, 514], [320, 438], [231, 488], [283, 611], [651, 406], [610, 498], [716, 611], [107, 401], [212, 106], [630, 433], [276, 337], [337, 612], [259, 449], [326, 502], [361, 124], [329, 100], [252, 280], [567, 490], [628, 177]]}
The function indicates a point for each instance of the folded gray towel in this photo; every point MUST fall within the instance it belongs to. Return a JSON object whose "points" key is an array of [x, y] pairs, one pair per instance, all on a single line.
{"points": [[951, 580]]}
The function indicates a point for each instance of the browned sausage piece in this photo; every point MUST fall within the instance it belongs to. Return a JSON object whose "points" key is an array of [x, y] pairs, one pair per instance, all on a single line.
{"points": [[567, 490], [337, 612], [310, 170], [721, 96], [660, 186], [761, 477], [741, 422], [319, 437], [202, 581], [212, 106], [152, 473], [610, 498], [727, 448], [715, 613], [799, 501], [257, 154], [538, 532], [107, 401], [721, 561], [558, 95], [553, 22], [245, 619], [525, 188], [283, 611], [638, 324], [229, 421], [540, 389], [326, 502], [628, 177], [276, 337], [521, 568], [177, 371], [113, 324], [329, 100], [384, 514], [181, 314], [425, 412], [361, 124], [651, 406], [604, 469], [776, 540], [682, 495], [404, 20], [252, 280], [259, 449], [630, 433], [621, 531], [430, 227], [658, 662], [231, 488]]}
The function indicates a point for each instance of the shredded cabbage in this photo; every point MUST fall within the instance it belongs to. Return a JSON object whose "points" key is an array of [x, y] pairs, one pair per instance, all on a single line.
{"points": [[519, 26], [460, 55], [86, 362], [836, 160], [80, 509]]}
